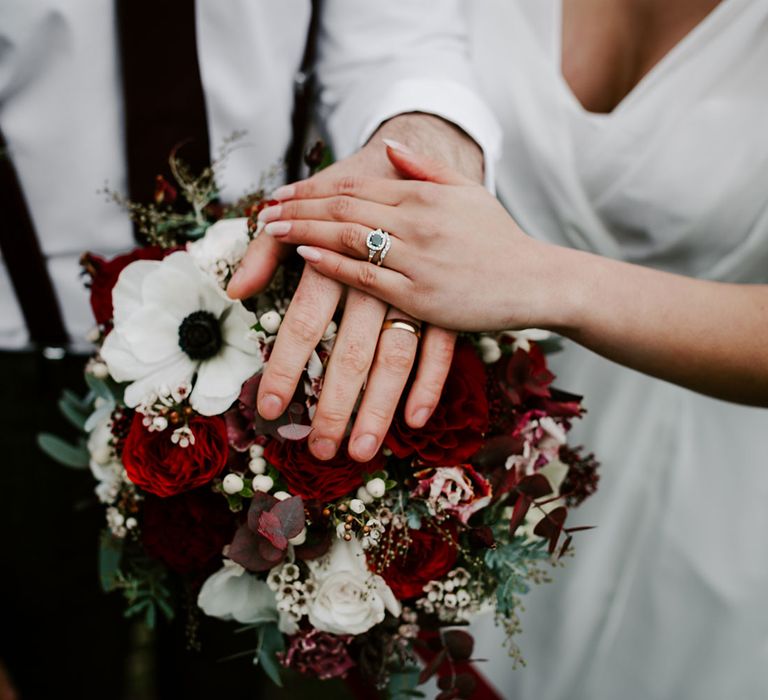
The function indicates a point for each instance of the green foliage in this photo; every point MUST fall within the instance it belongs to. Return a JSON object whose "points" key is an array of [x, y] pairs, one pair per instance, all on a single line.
{"points": [[513, 565], [75, 456], [270, 643], [403, 684]]}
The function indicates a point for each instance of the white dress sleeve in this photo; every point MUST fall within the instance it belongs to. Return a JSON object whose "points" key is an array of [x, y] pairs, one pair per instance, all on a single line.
{"points": [[378, 59]]}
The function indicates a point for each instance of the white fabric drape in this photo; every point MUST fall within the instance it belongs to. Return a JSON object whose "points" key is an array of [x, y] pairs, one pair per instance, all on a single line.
{"points": [[666, 599]]}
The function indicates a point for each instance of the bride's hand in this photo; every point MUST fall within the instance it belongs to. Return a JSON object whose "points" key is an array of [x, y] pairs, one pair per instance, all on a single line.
{"points": [[457, 258]]}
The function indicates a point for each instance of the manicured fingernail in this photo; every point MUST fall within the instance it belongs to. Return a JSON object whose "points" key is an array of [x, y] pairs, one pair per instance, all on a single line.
{"points": [[283, 192], [309, 254], [270, 406], [397, 146], [277, 228], [270, 213], [365, 447], [323, 448], [420, 417]]}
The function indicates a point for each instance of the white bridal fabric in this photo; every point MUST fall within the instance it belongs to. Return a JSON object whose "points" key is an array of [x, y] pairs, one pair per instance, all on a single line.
{"points": [[666, 599]]}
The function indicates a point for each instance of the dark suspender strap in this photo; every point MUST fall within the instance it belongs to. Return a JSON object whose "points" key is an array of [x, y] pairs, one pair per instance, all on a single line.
{"points": [[24, 260], [163, 93], [303, 99]]}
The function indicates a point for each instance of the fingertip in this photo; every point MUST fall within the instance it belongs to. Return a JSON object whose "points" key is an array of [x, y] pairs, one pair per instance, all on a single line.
{"points": [[310, 254], [418, 417]]}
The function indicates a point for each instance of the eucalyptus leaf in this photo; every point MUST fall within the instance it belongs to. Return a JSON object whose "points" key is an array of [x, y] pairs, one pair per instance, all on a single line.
{"points": [[73, 413], [75, 456], [270, 642], [110, 557]]}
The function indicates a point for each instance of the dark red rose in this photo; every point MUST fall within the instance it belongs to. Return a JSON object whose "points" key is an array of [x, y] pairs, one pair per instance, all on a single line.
{"points": [[187, 532], [156, 465], [312, 478], [456, 429], [104, 274], [431, 555], [524, 374]]}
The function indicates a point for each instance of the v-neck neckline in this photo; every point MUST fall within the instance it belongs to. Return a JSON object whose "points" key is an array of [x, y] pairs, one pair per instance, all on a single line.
{"points": [[656, 72]]}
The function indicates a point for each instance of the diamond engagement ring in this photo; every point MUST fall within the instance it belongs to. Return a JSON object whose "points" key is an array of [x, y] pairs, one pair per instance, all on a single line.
{"points": [[378, 243]]}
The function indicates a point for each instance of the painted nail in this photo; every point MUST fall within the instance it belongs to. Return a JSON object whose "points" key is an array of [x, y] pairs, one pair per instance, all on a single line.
{"points": [[323, 448], [365, 447], [397, 146], [270, 406], [277, 228], [309, 254], [270, 213], [283, 192], [420, 417]]}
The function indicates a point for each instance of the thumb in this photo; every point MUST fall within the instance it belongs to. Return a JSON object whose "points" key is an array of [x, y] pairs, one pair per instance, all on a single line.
{"points": [[415, 166]]}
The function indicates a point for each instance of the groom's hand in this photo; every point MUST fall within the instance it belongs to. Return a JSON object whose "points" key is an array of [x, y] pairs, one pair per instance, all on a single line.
{"points": [[360, 357]]}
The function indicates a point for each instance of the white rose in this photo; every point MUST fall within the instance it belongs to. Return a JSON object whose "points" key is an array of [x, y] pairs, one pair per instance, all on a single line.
{"points": [[234, 594], [222, 247], [349, 599]]}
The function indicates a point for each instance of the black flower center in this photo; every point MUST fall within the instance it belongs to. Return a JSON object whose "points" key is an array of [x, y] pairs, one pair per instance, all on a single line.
{"points": [[200, 335]]}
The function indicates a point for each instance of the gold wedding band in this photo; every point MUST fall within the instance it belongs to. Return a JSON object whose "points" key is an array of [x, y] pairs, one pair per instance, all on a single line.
{"points": [[403, 325]]}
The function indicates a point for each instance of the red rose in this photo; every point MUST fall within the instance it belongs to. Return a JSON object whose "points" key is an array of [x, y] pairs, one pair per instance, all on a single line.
{"points": [[187, 532], [156, 465], [431, 555], [312, 478], [104, 274], [456, 429]]}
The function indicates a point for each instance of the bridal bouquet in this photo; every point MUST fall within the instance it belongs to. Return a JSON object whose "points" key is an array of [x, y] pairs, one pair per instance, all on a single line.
{"points": [[338, 567]]}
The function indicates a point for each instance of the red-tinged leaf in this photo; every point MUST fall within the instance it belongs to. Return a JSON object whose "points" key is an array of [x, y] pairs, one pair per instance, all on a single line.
{"points": [[431, 668], [465, 684], [580, 528], [552, 523], [534, 486], [522, 506], [448, 694], [459, 644], [272, 529], [259, 503], [315, 546], [291, 515], [294, 431], [565, 546], [245, 550], [268, 551], [445, 682], [495, 451]]}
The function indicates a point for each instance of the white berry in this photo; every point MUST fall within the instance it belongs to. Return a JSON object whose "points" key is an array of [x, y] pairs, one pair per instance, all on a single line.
{"points": [[258, 465], [262, 482], [233, 483], [281, 495], [270, 321], [376, 487], [364, 496], [256, 451], [489, 349], [300, 538], [356, 505]]}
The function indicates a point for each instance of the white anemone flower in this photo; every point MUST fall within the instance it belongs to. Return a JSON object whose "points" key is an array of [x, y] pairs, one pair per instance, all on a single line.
{"points": [[173, 327]]}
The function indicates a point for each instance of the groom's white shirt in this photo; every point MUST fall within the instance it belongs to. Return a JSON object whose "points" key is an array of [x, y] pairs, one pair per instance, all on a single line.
{"points": [[61, 111]]}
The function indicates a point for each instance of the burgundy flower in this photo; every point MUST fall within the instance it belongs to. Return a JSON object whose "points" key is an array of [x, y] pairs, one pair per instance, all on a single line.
{"points": [[456, 429], [155, 464], [104, 274], [318, 654], [431, 555], [311, 478], [187, 532], [523, 375]]}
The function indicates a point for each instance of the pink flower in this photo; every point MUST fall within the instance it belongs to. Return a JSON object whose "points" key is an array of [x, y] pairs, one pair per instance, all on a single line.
{"points": [[542, 437], [319, 654], [459, 491]]}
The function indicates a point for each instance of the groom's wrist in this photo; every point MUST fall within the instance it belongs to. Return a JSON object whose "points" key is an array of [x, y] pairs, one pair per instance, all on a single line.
{"points": [[437, 138]]}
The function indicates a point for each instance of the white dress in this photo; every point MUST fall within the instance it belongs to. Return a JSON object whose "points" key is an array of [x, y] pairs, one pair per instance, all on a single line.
{"points": [[668, 598]]}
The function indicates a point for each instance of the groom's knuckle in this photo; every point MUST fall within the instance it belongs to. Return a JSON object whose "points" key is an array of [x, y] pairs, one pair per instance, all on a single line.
{"points": [[353, 358], [398, 356], [340, 207], [303, 327]]}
